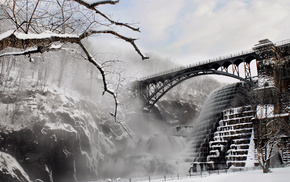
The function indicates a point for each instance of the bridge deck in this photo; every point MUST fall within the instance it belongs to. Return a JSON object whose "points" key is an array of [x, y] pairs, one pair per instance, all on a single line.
{"points": [[153, 87], [200, 65], [219, 60]]}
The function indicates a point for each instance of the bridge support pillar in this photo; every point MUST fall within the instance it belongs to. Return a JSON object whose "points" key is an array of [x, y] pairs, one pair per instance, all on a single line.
{"points": [[247, 70], [235, 69], [224, 69]]}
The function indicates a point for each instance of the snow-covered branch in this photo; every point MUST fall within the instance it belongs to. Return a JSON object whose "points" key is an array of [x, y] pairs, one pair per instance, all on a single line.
{"points": [[68, 22], [45, 39], [23, 41], [35, 50], [39, 43]]}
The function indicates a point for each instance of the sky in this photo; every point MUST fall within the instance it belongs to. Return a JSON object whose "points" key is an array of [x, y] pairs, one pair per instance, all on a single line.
{"points": [[189, 31]]}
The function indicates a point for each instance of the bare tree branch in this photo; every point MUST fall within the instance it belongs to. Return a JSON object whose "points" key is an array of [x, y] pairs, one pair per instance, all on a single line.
{"points": [[35, 50], [23, 41], [98, 66], [33, 12], [112, 2], [13, 18], [117, 23], [26, 52], [77, 16], [94, 5], [127, 39]]}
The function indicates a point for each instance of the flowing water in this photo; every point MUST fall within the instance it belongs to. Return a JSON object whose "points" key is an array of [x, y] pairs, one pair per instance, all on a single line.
{"points": [[202, 132], [165, 153]]}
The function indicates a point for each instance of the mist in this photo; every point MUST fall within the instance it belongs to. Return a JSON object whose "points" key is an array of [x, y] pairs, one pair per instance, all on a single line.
{"points": [[145, 143], [156, 148]]}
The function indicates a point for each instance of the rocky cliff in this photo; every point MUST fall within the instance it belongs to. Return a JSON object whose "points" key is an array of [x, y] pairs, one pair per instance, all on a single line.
{"points": [[54, 137]]}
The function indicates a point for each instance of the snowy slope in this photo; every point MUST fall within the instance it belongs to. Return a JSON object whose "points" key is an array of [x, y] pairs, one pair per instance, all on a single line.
{"points": [[10, 170], [278, 174]]}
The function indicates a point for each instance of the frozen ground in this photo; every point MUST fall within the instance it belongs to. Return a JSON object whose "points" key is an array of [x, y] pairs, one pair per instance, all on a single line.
{"points": [[277, 175]]}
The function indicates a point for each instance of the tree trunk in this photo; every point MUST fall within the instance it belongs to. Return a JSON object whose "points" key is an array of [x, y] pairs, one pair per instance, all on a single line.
{"points": [[266, 167]]}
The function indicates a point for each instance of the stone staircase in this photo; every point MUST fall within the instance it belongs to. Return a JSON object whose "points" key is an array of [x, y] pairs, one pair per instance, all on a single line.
{"points": [[232, 139]]}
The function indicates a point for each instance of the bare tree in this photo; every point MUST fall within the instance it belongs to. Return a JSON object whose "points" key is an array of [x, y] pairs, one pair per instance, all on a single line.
{"points": [[271, 127], [269, 124], [265, 138], [46, 25]]}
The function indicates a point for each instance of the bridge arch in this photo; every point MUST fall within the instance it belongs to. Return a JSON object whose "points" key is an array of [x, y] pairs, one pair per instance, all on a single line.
{"points": [[164, 89], [152, 89], [238, 62]]}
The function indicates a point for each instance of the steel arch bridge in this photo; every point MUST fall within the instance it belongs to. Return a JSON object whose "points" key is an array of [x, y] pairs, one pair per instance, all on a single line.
{"points": [[152, 88]]}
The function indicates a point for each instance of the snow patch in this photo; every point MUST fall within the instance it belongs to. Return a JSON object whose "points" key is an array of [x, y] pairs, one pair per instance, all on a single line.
{"points": [[6, 34], [278, 174], [60, 126], [43, 35], [9, 166], [250, 162]]}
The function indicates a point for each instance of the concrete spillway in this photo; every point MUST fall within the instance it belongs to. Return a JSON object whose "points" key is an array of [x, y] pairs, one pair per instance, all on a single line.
{"points": [[203, 132]]}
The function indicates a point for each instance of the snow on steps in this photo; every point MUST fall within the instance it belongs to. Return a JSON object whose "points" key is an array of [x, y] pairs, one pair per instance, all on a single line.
{"points": [[236, 127]]}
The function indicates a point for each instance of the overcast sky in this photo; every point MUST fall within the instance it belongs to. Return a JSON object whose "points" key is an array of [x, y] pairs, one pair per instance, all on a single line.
{"points": [[193, 30]]}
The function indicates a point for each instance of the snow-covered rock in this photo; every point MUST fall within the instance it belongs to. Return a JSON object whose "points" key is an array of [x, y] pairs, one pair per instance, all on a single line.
{"points": [[61, 139], [10, 169]]}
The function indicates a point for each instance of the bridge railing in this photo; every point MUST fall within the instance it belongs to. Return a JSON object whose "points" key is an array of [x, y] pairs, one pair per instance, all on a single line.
{"points": [[282, 42], [198, 64]]}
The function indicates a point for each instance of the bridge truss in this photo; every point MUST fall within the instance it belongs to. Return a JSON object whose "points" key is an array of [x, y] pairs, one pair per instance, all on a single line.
{"points": [[153, 88]]}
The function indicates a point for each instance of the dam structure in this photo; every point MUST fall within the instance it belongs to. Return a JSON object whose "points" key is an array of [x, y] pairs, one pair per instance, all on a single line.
{"points": [[224, 122], [228, 131]]}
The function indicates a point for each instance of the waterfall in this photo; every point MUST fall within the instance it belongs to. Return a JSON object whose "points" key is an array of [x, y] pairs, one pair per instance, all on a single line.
{"points": [[233, 95]]}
